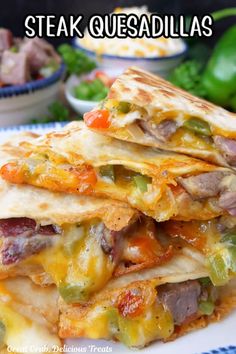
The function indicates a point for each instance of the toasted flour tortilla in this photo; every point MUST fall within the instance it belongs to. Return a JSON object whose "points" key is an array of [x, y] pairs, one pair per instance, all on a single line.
{"points": [[159, 184], [29, 316], [153, 101], [50, 207]]}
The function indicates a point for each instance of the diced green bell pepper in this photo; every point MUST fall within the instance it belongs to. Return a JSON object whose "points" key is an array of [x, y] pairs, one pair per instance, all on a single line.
{"points": [[198, 126], [82, 91], [232, 252], [107, 171], [219, 269], [124, 107], [100, 95], [142, 182], [73, 293], [206, 307], [229, 238]]}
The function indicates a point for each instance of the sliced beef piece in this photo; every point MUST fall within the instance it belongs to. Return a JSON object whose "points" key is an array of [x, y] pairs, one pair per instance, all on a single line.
{"points": [[23, 237], [16, 249], [204, 185], [227, 147], [227, 201], [12, 227], [17, 41], [39, 53], [108, 239], [6, 39], [25, 227], [161, 131], [14, 68], [49, 230], [181, 299]]}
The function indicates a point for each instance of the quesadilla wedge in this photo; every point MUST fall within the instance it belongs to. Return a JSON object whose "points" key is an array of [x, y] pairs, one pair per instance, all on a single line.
{"points": [[72, 241], [161, 184], [155, 304], [29, 317], [76, 242], [79, 243], [148, 110]]}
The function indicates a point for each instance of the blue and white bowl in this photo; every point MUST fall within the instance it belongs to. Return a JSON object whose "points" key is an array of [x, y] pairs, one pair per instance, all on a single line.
{"points": [[158, 65], [20, 103]]}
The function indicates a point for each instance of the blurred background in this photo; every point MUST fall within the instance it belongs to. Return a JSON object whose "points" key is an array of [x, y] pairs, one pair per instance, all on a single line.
{"points": [[42, 82], [13, 12]]}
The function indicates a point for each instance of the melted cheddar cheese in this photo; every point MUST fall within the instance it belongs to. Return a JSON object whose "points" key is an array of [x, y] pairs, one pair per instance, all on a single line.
{"points": [[77, 260], [23, 333], [206, 237], [134, 317]]}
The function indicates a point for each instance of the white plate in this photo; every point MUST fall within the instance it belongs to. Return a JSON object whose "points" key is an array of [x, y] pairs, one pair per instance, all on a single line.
{"points": [[219, 338]]}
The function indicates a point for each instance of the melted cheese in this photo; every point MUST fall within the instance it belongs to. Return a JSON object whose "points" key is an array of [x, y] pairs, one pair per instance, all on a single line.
{"points": [[186, 138], [104, 320], [23, 334], [77, 260]]}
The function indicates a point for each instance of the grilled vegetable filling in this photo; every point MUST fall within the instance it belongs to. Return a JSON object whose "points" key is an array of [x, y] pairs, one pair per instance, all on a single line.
{"points": [[72, 255], [214, 239], [191, 133], [172, 128], [142, 313], [42, 171], [80, 259]]}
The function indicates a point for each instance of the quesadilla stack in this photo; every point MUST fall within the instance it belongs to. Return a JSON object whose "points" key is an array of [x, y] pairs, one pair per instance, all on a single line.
{"points": [[139, 242], [76, 242], [148, 110]]}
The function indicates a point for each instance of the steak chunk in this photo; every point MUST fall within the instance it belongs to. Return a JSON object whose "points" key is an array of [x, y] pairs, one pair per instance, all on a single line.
{"points": [[204, 185], [108, 239], [6, 39], [25, 227], [39, 53], [22, 237], [16, 249], [14, 68], [181, 299], [227, 201], [162, 131], [227, 147], [13, 227]]}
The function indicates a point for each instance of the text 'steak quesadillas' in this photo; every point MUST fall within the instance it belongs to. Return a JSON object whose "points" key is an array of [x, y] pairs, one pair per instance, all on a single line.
{"points": [[161, 184], [148, 110]]}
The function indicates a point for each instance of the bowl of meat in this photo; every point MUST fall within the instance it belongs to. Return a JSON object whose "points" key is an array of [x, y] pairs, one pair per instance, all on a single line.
{"points": [[30, 75]]}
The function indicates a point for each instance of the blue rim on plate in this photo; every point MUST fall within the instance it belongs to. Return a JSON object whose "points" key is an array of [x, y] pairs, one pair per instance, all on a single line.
{"points": [[32, 86], [25, 127], [223, 350], [117, 57]]}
